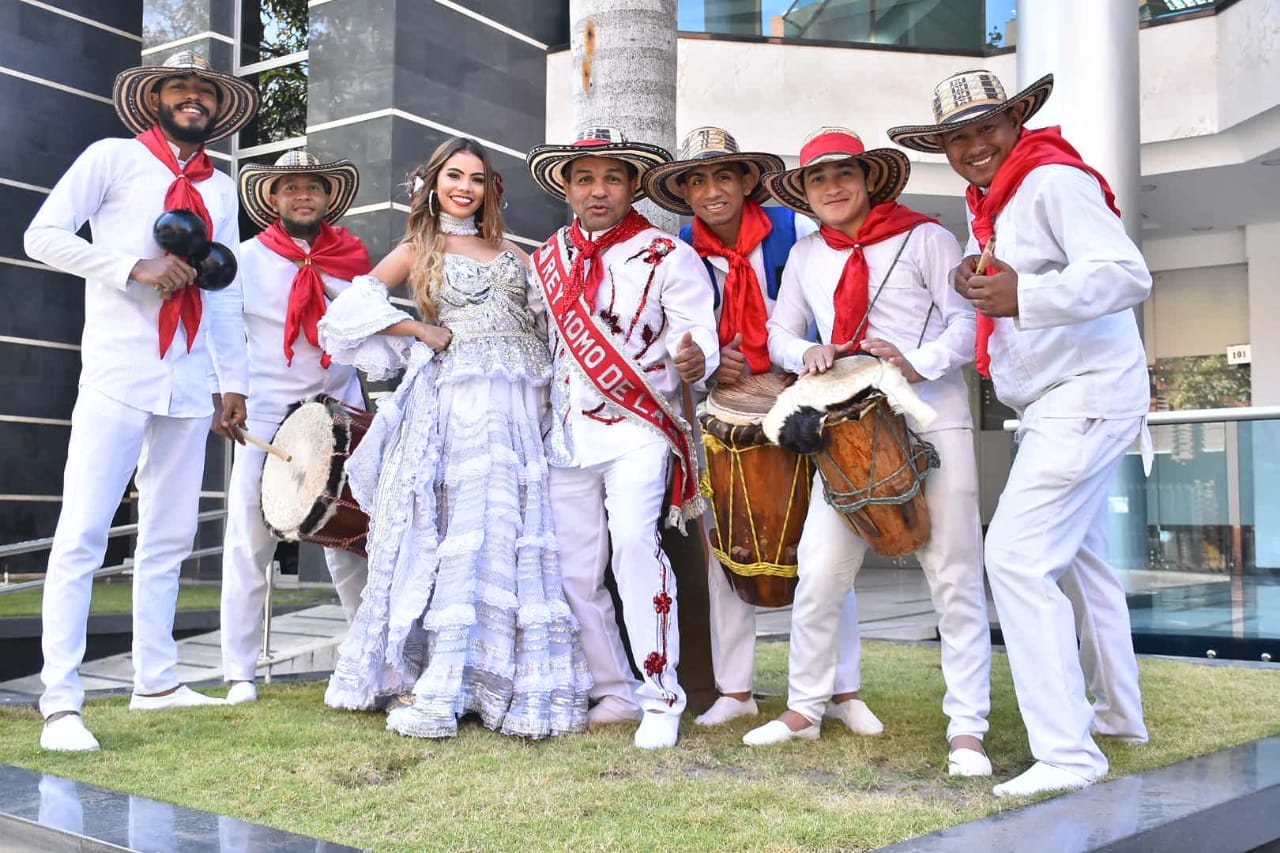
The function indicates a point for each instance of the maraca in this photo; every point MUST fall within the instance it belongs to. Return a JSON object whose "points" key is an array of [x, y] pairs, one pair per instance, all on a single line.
{"points": [[182, 233], [215, 266]]}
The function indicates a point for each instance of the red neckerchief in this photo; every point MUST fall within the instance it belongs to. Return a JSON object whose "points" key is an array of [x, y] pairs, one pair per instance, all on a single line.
{"points": [[1033, 149], [586, 286], [186, 304], [852, 297], [335, 251], [742, 308]]}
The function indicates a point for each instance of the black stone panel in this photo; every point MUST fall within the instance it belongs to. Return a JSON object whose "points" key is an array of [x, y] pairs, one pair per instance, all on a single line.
{"points": [[461, 73], [546, 20], [380, 230], [27, 34], [40, 304], [39, 382], [32, 457], [21, 521], [17, 208], [367, 144], [122, 14], [45, 130], [350, 58]]}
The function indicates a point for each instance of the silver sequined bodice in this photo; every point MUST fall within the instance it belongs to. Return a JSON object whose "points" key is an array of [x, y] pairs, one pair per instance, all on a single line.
{"points": [[486, 307]]}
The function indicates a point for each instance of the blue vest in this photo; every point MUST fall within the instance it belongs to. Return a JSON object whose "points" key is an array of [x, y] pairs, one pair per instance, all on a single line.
{"points": [[775, 247]]}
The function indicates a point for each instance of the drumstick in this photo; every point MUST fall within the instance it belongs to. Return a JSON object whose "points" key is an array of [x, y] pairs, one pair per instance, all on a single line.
{"points": [[987, 254], [262, 445]]}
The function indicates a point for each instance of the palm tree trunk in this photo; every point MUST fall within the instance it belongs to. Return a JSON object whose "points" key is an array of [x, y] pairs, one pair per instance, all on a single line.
{"points": [[624, 56]]}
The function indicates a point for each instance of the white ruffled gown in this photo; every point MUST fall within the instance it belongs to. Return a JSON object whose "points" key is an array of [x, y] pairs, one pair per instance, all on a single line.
{"points": [[464, 607]]}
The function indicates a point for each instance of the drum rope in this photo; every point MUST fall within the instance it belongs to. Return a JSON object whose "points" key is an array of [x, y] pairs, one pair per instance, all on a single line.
{"points": [[856, 498], [775, 569]]}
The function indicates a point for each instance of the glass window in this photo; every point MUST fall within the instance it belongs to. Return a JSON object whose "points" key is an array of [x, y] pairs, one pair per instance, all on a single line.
{"points": [[270, 29], [283, 113]]}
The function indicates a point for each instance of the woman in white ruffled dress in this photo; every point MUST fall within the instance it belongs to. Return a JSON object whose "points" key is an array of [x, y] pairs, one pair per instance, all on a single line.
{"points": [[463, 612]]}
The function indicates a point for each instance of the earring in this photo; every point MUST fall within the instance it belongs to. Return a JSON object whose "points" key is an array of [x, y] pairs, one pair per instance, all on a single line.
{"points": [[432, 207]]}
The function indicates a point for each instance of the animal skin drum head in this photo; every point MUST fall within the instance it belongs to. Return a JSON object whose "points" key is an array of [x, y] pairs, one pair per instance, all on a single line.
{"points": [[746, 401], [290, 489]]}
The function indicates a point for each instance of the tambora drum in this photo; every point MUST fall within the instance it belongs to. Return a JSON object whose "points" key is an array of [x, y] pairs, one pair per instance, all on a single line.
{"points": [[307, 498], [759, 491], [850, 422]]}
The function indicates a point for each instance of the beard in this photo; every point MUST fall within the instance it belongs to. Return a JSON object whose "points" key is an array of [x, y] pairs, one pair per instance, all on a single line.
{"points": [[190, 135]]}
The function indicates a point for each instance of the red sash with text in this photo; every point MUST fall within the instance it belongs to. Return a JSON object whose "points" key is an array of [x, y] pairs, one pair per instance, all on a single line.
{"points": [[616, 378]]}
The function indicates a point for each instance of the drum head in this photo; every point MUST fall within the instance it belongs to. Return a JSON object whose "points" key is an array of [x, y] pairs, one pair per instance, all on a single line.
{"points": [[290, 490], [747, 400]]}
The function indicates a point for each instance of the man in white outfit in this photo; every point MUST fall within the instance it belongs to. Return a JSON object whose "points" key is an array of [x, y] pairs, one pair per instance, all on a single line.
{"points": [[289, 274], [719, 186], [630, 317], [876, 277], [144, 396], [1057, 335]]}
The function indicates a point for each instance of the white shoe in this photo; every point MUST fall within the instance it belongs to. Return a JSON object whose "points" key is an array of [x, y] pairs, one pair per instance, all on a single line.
{"points": [[183, 697], [68, 734], [727, 708], [658, 730], [612, 711], [776, 731], [1040, 779], [242, 691], [855, 714], [968, 762]]}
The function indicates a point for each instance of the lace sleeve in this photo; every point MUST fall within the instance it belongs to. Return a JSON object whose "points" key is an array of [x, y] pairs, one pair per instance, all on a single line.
{"points": [[349, 330]]}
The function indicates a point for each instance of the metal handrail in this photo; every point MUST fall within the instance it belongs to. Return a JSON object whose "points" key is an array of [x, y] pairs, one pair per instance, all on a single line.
{"points": [[35, 545], [1195, 416]]}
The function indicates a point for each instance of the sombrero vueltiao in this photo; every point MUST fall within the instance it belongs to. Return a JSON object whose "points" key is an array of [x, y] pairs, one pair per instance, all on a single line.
{"points": [[257, 179], [705, 146], [887, 168], [547, 163], [967, 98], [237, 98]]}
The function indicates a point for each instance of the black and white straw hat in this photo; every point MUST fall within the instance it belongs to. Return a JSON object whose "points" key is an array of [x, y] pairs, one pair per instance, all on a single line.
{"points": [[547, 163], [705, 146], [237, 98], [257, 179], [968, 98]]}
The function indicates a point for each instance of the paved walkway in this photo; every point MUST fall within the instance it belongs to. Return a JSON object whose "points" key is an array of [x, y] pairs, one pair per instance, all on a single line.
{"points": [[893, 604]]}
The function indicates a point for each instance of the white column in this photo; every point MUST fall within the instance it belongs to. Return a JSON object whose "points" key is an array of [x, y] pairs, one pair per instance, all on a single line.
{"points": [[624, 62], [1091, 47]]}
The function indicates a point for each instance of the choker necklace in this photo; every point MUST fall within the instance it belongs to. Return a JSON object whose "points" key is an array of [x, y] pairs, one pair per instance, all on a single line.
{"points": [[460, 227]]}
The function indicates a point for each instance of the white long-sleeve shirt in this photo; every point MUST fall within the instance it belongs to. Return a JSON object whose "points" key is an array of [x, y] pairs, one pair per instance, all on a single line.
{"points": [[916, 291], [274, 384], [1074, 348], [118, 187], [648, 319]]}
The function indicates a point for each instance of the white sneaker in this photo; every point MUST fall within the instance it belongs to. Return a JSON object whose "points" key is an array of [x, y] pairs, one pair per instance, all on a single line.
{"points": [[776, 731], [658, 730], [727, 708], [968, 762], [855, 714], [68, 734], [183, 697], [612, 711], [1040, 779], [242, 691]]}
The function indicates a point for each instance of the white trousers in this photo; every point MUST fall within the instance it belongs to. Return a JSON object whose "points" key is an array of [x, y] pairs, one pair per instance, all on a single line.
{"points": [[733, 637], [247, 553], [1050, 529], [830, 556], [620, 503], [108, 439]]}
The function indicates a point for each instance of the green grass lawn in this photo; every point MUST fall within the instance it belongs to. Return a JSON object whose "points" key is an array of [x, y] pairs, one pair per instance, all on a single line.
{"points": [[116, 596], [291, 763]]}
